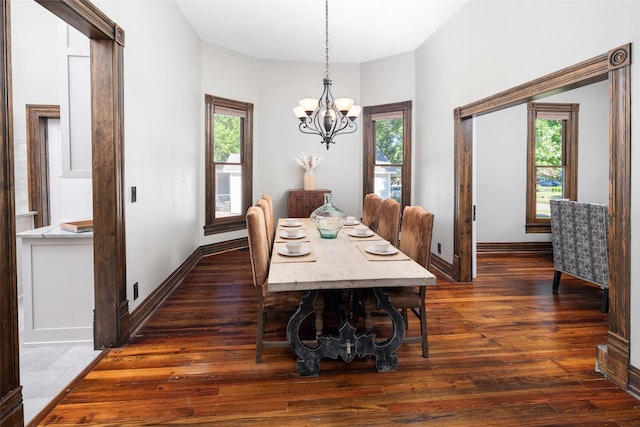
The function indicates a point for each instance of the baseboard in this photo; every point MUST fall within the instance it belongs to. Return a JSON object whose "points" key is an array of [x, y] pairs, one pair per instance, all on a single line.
{"points": [[634, 381], [229, 245], [502, 247], [141, 313], [441, 265]]}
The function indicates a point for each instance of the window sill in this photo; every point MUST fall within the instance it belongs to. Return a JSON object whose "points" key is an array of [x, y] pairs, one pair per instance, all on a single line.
{"points": [[224, 227], [538, 228]]}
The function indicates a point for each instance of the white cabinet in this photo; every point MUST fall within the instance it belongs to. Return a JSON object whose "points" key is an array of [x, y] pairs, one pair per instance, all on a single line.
{"points": [[57, 286]]}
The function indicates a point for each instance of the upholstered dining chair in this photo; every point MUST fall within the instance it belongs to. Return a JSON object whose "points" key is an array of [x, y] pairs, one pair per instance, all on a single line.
{"points": [[371, 211], [389, 221], [269, 302], [263, 204], [269, 200], [416, 230]]}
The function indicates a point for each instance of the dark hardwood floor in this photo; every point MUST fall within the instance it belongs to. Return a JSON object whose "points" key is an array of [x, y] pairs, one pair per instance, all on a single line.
{"points": [[504, 351]]}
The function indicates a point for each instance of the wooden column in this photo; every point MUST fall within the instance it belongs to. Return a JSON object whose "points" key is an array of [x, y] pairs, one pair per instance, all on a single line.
{"points": [[11, 409], [112, 307], [617, 364], [463, 202]]}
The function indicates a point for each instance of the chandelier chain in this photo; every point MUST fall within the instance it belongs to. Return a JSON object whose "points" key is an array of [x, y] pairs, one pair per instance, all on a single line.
{"points": [[326, 36]]}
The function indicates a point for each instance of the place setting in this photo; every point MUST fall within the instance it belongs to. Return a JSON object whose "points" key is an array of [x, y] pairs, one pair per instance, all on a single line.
{"points": [[290, 222], [292, 233], [361, 232], [381, 250], [293, 251], [351, 222]]}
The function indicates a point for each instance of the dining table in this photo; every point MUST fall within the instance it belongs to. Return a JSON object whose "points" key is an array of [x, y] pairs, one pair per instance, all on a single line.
{"points": [[347, 262]]}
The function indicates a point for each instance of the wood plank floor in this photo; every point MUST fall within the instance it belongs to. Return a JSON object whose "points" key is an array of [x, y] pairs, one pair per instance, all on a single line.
{"points": [[504, 351]]}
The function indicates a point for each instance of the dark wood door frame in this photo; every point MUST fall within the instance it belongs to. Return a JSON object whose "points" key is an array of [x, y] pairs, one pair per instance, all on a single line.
{"points": [[111, 317], [613, 66], [38, 161]]}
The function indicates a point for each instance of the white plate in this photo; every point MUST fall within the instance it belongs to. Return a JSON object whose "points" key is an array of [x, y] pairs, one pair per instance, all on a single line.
{"points": [[354, 233], [300, 235], [297, 224], [303, 251], [390, 250], [356, 222]]}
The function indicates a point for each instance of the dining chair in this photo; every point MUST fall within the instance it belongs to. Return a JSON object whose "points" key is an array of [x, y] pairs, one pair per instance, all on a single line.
{"points": [[389, 221], [269, 302], [270, 227], [269, 200], [416, 230], [371, 211]]}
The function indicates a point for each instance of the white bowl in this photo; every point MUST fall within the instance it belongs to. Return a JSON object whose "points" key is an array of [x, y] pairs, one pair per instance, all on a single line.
{"points": [[362, 230], [294, 247], [381, 245], [291, 221]]}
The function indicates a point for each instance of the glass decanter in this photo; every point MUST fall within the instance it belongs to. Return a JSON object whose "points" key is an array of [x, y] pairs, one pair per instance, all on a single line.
{"points": [[328, 219]]}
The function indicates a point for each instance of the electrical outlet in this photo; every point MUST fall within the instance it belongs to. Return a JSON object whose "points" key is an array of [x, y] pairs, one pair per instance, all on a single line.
{"points": [[135, 291], [439, 247]]}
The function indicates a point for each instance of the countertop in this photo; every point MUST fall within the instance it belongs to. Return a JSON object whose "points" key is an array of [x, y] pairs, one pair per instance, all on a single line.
{"points": [[53, 231]]}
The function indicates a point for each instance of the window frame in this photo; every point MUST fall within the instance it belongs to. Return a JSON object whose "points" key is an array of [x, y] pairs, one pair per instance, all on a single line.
{"points": [[215, 225], [385, 111], [569, 155]]}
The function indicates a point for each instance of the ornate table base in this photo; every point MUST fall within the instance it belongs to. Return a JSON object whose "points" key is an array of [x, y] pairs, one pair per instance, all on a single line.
{"points": [[349, 344]]}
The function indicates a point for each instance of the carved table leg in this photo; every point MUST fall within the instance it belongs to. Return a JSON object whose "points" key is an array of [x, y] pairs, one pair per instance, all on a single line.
{"points": [[348, 344]]}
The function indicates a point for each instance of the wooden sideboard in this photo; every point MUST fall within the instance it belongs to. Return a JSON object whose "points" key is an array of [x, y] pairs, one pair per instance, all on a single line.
{"points": [[303, 202]]}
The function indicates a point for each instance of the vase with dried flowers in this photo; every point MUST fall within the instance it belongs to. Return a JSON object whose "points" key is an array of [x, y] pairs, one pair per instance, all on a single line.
{"points": [[309, 163]]}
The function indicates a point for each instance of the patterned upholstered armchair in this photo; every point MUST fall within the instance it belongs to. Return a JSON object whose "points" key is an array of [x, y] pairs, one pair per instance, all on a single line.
{"points": [[580, 238]]}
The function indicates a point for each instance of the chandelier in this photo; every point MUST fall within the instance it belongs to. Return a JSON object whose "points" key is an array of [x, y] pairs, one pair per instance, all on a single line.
{"points": [[327, 117]]}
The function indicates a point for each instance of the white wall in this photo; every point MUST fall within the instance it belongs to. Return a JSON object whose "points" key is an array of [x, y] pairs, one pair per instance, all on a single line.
{"points": [[491, 46], [277, 140], [501, 166], [389, 80], [162, 140]]}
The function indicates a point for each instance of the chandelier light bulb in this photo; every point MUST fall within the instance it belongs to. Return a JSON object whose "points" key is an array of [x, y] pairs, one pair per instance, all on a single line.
{"points": [[344, 105], [309, 105]]}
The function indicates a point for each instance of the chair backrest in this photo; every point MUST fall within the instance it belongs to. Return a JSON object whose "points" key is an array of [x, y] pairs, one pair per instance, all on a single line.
{"points": [[580, 239], [415, 234], [389, 221], [269, 200], [371, 211], [258, 246], [269, 222]]}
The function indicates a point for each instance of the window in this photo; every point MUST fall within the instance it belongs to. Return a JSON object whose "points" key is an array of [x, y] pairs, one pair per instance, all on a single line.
{"points": [[229, 141], [552, 160], [387, 151]]}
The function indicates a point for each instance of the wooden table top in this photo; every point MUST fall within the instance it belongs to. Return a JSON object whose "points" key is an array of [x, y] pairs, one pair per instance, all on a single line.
{"points": [[340, 263]]}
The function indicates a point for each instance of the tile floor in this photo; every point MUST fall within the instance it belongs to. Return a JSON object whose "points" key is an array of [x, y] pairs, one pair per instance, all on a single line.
{"points": [[46, 370]]}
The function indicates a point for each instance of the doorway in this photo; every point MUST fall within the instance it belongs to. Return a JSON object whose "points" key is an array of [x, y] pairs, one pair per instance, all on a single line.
{"points": [[613, 66], [111, 324]]}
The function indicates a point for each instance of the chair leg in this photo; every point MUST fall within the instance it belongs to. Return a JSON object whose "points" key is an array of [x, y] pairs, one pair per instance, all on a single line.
{"points": [[556, 280], [605, 300], [423, 331], [259, 333]]}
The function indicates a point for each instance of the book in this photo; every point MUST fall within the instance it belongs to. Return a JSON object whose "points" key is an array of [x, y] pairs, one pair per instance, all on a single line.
{"points": [[77, 226]]}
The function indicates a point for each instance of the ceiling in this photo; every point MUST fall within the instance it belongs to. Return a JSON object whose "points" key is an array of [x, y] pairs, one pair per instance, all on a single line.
{"points": [[359, 30]]}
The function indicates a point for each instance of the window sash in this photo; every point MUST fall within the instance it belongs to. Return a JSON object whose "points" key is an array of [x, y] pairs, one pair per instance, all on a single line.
{"points": [[536, 219], [228, 198]]}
